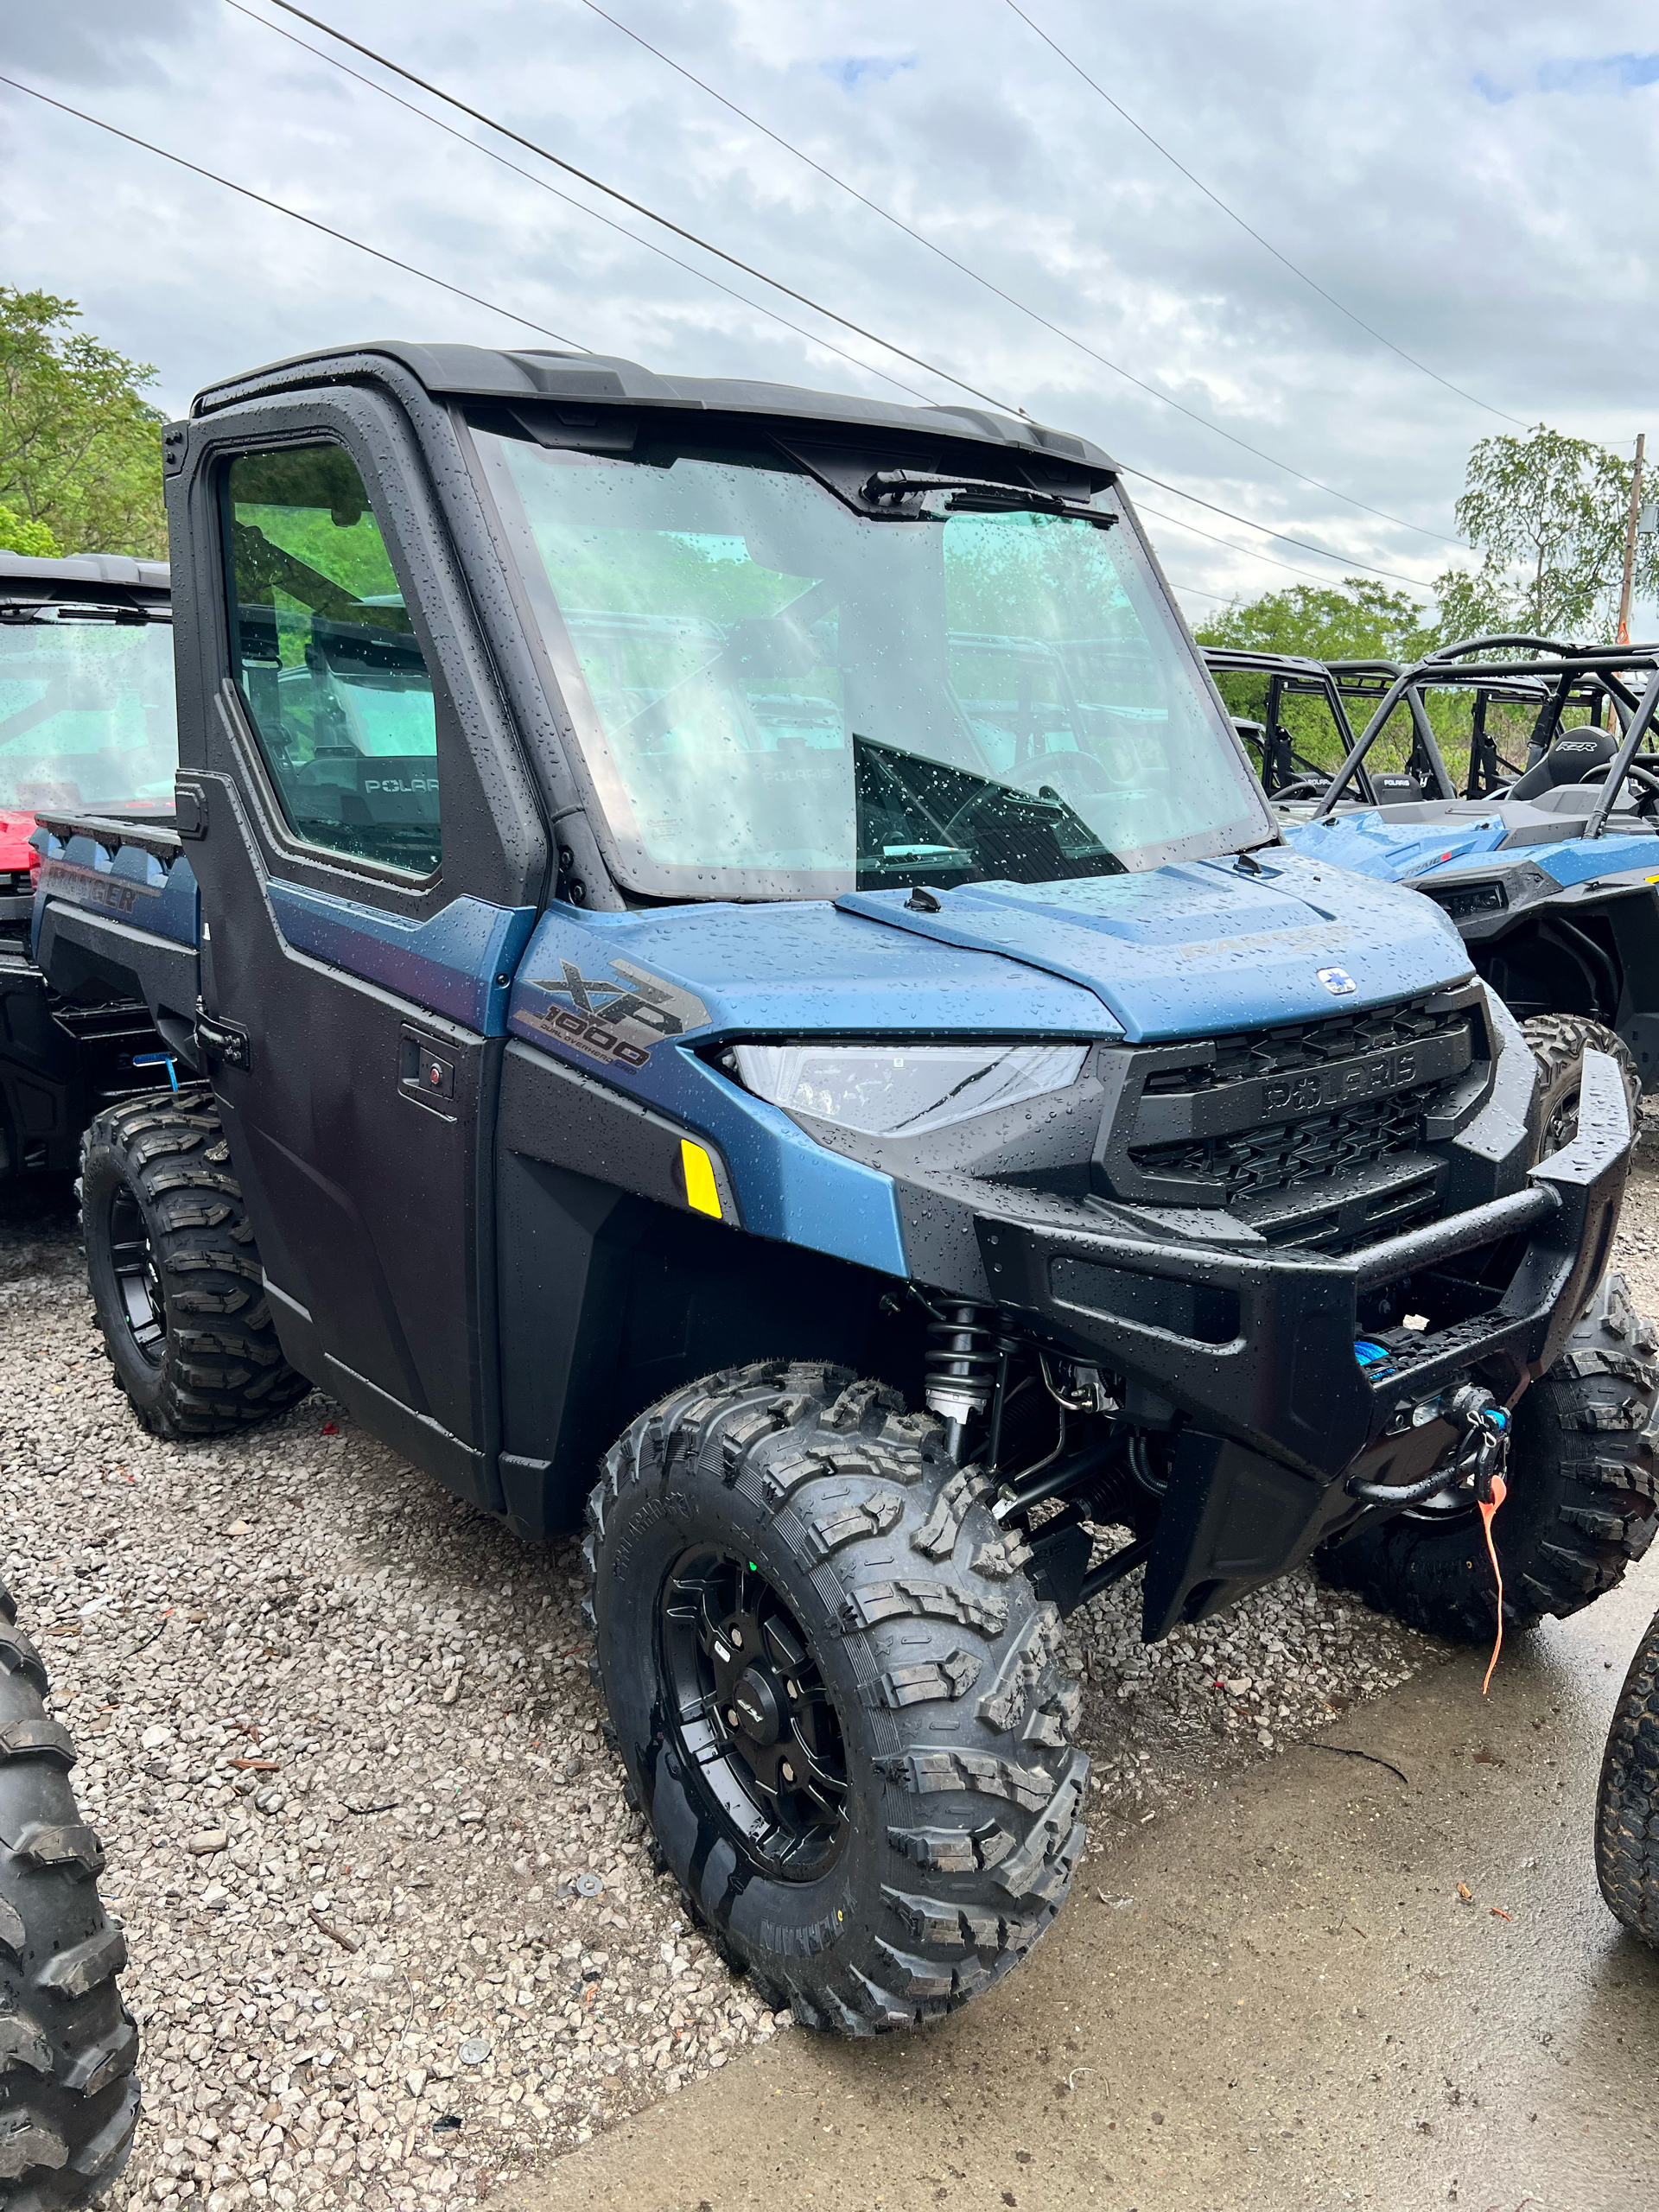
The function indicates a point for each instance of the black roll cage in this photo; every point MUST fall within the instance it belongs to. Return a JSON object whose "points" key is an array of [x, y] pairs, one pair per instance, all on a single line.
{"points": [[1550, 672], [1288, 675]]}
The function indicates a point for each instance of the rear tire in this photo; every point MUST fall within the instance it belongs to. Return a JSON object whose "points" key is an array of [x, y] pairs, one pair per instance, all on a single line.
{"points": [[1559, 1043], [68, 2095], [802, 1508], [176, 1276], [1583, 1497], [1627, 1801]]}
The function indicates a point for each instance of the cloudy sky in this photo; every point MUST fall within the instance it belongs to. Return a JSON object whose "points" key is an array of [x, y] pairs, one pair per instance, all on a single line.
{"points": [[1476, 183]]}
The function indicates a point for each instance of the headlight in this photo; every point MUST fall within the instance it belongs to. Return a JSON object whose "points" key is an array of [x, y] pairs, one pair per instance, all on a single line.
{"points": [[903, 1092], [1461, 901]]}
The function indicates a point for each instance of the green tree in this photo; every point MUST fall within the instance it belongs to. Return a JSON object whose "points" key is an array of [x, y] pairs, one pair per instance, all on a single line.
{"points": [[1547, 514], [80, 446], [1361, 621], [19, 534]]}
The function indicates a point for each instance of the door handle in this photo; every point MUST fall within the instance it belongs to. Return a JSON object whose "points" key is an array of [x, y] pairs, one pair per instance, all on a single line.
{"points": [[424, 1070]]}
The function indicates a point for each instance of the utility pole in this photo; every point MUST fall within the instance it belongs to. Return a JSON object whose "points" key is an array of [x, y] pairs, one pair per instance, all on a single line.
{"points": [[1630, 541]]}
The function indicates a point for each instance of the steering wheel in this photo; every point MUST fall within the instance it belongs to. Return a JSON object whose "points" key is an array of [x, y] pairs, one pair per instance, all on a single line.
{"points": [[1648, 804], [1083, 771], [1300, 787]]}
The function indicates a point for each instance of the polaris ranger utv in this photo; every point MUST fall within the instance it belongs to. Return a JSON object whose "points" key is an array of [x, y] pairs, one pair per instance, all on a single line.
{"points": [[719, 937], [86, 720]]}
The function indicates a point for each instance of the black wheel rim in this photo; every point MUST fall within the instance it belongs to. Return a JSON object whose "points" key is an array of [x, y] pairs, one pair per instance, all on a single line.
{"points": [[138, 1277], [750, 1713], [1562, 1126]]}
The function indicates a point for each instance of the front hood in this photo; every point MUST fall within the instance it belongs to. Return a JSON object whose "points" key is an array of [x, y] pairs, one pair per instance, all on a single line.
{"points": [[1188, 951], [1394, 851], [1179, 951]]}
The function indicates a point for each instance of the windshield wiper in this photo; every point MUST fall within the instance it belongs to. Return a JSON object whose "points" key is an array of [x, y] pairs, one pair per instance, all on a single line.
{"points": [[892, 488]]}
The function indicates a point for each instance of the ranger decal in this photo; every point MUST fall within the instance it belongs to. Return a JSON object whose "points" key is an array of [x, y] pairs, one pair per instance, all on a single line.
{"points": [[88, 887]]}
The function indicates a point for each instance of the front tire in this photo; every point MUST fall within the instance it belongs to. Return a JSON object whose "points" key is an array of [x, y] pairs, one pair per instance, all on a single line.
{"points": [[68, 2095], [834, 1694], [1583, 1497], [1559, 1043], [175, 1273]]}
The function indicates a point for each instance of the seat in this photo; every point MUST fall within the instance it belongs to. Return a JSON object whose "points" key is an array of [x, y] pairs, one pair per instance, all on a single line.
{"points": [[1569, 760]]}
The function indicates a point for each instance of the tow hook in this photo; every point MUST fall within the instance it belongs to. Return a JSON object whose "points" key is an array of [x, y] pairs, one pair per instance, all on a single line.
{"points": [[1486, 1441], [1486, 1426]]}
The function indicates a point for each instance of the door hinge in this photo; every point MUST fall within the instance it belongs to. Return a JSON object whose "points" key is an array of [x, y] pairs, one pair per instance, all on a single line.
{"points": [[222, 1040]]}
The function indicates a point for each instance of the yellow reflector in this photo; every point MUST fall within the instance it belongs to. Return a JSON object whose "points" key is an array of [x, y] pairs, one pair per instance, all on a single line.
{"points": [[701, 1190]]}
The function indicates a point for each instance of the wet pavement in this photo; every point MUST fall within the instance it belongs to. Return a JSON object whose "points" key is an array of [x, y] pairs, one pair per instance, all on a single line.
{"points": [[1277, 1996]]}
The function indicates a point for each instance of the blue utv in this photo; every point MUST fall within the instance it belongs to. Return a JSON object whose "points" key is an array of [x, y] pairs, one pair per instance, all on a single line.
{"points": [[731, 985], [1548, 866]]}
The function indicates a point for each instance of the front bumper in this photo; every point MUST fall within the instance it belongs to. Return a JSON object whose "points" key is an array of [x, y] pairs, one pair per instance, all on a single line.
{"points": [[1256, 1349]]}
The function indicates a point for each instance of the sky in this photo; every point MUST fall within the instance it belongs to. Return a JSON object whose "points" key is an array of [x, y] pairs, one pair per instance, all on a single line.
{"points": [[1468, 181]]}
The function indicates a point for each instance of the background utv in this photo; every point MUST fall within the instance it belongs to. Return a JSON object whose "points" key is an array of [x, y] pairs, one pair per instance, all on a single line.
{"points": [[721, 934]]}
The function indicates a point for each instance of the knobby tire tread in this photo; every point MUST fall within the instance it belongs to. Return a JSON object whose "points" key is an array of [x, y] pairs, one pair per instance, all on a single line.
{"points": [[68, 2093], [222, 1367], [1583, 1497], [1627, 1799], [1559, 1042], [951, 1704]]}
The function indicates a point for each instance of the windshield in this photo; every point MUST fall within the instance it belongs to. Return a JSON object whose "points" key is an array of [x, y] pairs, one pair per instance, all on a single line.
{"points": [[776, 696], [87, 716]]}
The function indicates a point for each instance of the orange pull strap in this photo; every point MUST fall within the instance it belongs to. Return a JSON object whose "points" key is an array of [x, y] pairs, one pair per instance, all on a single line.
{"points": [[1500, 1491]]}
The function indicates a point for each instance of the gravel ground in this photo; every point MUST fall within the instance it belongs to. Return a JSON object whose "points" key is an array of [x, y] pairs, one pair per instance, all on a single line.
{"points": [[394, 1934]]}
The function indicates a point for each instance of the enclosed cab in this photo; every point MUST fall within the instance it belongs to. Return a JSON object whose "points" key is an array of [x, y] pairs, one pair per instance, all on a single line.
{"points": [[747, 999], [87, 723]]}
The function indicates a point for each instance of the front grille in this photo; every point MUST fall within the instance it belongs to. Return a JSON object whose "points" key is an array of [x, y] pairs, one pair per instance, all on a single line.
{"points": [[1280, 1155], [1271, 1116], [1307, 1045]]}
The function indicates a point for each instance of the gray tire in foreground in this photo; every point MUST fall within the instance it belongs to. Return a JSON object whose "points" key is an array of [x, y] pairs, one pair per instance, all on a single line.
{"points": [[175, 1278], [1559, 1043], [1583, 1497], [834, 1690], [68, 2095], [1627, 1801]]}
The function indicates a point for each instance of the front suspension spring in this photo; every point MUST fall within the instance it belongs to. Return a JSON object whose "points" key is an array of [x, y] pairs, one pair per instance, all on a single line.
{"points": [[966, 1369]]}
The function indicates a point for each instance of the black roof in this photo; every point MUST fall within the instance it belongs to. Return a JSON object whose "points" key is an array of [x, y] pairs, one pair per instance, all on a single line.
{"points": [[105, 578], [481, 372]]}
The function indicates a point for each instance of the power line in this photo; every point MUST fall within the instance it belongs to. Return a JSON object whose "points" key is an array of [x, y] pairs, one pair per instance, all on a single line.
{"points": [[1198, 592], [310, 221], [1266, 244], [978, 277], [542, 184], [612, 192], [1250, 552], [1005, 406], [1283, 538], [512, 315]]}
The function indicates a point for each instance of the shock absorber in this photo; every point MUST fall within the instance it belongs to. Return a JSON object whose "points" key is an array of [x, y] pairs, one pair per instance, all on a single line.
{"points": [[964, 1362]]}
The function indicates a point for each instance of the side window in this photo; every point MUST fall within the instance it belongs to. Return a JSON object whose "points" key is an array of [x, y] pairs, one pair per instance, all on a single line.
{"points": [[327, 658]]}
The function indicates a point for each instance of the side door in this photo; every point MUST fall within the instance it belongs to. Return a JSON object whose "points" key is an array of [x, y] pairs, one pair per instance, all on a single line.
{"points": [[369, 864]]}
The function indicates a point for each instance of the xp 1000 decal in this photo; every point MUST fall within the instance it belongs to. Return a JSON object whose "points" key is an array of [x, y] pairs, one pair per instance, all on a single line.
{"points": [[614, 1019]]}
